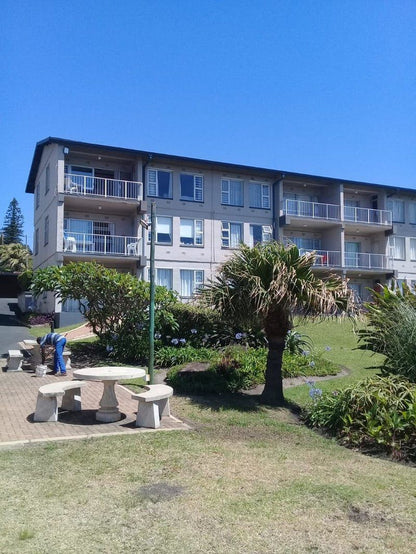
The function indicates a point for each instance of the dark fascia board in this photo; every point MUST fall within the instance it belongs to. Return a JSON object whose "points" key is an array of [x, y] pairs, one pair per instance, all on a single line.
{"points": [[275, 174]]}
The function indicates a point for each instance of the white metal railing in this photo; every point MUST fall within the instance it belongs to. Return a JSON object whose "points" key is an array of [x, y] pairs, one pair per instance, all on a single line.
{"points": [[324, 258], [367, 215], [99, 186], [363, 260], [313, 210], [88, 243]]}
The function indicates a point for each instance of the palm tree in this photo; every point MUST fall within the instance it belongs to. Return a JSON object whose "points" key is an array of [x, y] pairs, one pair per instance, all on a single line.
{"points": [[269, 283], [15, 257]]}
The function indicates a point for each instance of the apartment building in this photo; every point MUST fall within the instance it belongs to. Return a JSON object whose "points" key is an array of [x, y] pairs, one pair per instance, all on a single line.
{"points": [[92, 202]]}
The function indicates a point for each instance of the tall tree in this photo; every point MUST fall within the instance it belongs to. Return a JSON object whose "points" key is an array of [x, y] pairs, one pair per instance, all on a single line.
{"points": [[13, 224], [268, 283]]}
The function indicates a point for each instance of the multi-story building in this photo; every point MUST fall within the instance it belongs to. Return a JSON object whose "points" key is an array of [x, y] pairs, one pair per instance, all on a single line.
{"points": [[90, 202]]}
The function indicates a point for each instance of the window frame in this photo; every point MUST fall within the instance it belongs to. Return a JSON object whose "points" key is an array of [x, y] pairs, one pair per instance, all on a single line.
{"points": [[412, 240], [263, 197], [47, 179], [170, 270], [170, 218], [391, 206], [46, 231], [226, 192], [411, 207], [225, 231], [196, 233], [196, 187], [264, 234], [392, 245], [150, 183], [195, 282]]}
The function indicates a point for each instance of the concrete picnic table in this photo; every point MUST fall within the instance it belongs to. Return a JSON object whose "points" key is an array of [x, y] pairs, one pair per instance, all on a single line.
{"points": [[108, 411]]}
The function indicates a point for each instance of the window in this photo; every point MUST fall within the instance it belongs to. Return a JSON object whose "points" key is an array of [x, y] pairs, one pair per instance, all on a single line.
{"points": [[192, 187], [232, 234], [46, 231], [231, 192], [191, 280], [192, 232], [305, 243], [160, 183], [413, 249], [37, 193], [397, 209], [47, 179], [397, 245], [412, 212], [260, 233], [259, 195], [163, 230], [164, 278], [36, 245]]}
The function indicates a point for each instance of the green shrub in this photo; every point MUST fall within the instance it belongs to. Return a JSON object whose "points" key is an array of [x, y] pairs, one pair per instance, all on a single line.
{"points": [[168, 356], [296, 342], [392, 331], [235, 368], [377, 413]]}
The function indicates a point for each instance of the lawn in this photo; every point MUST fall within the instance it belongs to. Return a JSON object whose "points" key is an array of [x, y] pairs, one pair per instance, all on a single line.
{"points": [[246, 479]]}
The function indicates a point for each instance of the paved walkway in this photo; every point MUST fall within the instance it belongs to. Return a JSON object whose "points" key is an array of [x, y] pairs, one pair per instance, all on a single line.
{"points": [[18, 393]]}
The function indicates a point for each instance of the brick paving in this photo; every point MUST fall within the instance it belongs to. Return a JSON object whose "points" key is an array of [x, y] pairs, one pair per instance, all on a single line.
{"points": [[18, 393]]}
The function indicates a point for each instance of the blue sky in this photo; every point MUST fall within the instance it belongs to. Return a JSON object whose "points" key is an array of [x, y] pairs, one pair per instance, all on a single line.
{"points": [[318, 87]]}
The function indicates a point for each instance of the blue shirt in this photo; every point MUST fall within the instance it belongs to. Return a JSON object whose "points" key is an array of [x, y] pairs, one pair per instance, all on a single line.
{"points": [[51, 339]]}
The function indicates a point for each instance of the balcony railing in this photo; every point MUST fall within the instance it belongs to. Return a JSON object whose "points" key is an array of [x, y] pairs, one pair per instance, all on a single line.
{"points": [[362, 260], [109, 245], [367, 215], [313, 210], [98, 186], [324, 258]]}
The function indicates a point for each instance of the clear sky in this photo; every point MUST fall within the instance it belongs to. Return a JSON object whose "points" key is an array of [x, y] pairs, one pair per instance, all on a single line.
{"points": [[325, 87]]}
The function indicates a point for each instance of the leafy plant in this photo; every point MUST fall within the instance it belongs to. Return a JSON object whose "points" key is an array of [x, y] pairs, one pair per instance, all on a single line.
{"points": [[296, 343], [377, 413], [168, 356], [392, 330]]}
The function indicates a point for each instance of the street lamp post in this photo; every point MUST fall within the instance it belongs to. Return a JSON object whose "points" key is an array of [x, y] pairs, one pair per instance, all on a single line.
{"points": [[152, 292]]}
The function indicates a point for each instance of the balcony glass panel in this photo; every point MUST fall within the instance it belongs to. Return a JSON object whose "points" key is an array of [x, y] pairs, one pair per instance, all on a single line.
{"points": [[314, 210], [91, 243]]}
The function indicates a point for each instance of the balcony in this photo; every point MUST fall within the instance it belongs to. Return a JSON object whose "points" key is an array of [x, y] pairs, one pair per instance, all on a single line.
{"points": [[367, 215], [367, 261], [313, 210], [104, 245], [324, 258], [83, 185]]}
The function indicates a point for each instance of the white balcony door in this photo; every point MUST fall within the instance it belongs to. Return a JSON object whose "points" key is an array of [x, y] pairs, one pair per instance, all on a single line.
{"points": [[352, 254]]}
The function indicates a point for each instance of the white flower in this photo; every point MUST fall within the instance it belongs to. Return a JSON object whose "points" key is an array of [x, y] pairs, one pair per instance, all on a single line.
{"points": [[194, 331], [182, 341], [158, 336], [174, 341]]}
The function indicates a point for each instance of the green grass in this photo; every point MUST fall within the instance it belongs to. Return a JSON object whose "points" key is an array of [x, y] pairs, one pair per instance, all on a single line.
{"points": [[40, 330], [246, 479], [340, 336]]}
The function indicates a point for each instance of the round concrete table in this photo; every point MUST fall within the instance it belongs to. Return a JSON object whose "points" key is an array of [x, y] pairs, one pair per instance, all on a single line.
{"points": [[108, 411]]}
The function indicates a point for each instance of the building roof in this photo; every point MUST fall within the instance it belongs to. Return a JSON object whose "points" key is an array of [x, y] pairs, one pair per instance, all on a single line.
{"points": [[275, 174]]}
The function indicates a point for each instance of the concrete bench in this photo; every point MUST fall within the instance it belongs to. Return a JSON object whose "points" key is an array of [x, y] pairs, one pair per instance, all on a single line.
{"points": [[47, 401], [14, 360], [153, 404]]}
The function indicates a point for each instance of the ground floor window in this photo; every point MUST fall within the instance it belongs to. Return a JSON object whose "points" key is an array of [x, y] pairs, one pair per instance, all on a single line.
{"points": [[191, 280]]}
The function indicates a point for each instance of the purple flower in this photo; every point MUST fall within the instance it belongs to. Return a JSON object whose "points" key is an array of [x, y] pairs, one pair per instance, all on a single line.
{"points": [[327, 348], [158, 336], [239, 336], [182, 341], [194, 331], [312, 364], [174, 341]]}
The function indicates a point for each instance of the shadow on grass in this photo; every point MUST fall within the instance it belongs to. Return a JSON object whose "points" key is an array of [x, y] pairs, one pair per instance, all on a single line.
{"points": [[237, 401]]}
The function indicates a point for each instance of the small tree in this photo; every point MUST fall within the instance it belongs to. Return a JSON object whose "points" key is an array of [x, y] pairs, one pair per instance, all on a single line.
{"points": [[267, 284], [115, 304], [13, 224]]}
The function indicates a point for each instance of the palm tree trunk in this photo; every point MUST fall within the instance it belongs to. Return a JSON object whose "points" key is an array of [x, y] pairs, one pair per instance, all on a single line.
{"points": [[273, 387]]}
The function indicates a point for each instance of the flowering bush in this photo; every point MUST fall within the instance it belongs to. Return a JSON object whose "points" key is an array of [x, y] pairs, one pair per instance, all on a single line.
{"points": [[33, 318], [378, 413]]}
